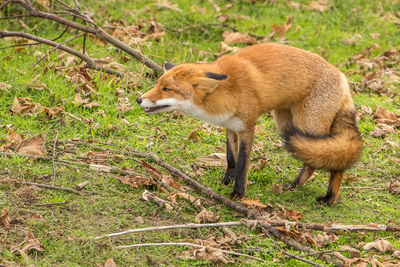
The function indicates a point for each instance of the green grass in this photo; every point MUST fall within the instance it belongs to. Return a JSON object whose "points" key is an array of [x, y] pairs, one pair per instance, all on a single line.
{"points": [[66, 231]]}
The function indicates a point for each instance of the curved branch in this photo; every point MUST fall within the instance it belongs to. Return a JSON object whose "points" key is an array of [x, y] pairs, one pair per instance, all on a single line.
{"points": [[95, 30], [90, 62]]}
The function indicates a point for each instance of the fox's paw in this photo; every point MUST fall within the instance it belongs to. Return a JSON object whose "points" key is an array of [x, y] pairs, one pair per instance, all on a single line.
{"points": [[327, 200], [289, 187], [236, 196]]}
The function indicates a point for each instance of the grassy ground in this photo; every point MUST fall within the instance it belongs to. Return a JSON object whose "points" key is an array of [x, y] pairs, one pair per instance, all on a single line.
{"points": [[66, 231]]}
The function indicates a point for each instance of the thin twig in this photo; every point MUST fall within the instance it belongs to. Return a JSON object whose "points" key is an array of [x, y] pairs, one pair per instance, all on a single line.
{"points": [[47, 186], [52, 204], [55, 48], [169, 227], [53, 159], [191, 245]]}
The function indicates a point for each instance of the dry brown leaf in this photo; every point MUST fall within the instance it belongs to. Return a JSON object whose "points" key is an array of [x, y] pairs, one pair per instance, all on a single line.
{"points": [[32, 146], [165, 4], [380, 245], [23, 105], [394, 187], [324, 239], [293, 4], [164, 179], [5, 86], [238, 38], [212, 160], [382, 130], [255, 204], [354, 253], [53, 113], [386, 117], [205, 216], [15, 139], [124, 105], [5, 219], [211, 254], [277, 188], [137, 181], [294, 215], [320, 5], [30, 243], [110, 263], [396, 253]]}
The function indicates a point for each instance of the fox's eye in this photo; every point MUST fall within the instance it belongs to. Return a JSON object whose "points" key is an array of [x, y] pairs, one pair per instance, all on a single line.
{"points": [[165, 89]]}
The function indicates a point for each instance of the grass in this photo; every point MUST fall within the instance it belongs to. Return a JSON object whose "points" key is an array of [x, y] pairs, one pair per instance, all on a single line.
{"points": [[66, 231]]}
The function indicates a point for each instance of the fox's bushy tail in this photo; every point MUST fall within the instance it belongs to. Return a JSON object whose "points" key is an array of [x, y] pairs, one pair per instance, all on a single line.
{"points": [[334, 152]]}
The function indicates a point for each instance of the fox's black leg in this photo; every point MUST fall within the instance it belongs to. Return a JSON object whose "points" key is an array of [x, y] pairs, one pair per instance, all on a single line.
{"points": [[231, 155], [242, 163], [305, 174]]}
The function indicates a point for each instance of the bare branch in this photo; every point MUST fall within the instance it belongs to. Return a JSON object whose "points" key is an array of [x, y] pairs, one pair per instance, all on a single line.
{"points": [[70, 190], [90, 62], [53, 159], [95, 30], [176, 226]]}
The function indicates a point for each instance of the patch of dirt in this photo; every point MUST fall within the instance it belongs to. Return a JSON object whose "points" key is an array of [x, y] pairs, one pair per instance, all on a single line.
{"points": [[28, 194]]}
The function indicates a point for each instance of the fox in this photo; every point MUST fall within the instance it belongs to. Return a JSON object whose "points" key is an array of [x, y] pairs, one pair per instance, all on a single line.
{"points": [[309, 99]]}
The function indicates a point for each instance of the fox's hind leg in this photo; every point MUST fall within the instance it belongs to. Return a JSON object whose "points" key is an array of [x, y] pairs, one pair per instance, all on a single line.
{"points": [[305, 174], [284, 123], [332, 194]]}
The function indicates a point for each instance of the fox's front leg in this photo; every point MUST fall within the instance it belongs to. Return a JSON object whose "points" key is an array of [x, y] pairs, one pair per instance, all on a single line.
{"points": [[231, 155], [242, 162]]}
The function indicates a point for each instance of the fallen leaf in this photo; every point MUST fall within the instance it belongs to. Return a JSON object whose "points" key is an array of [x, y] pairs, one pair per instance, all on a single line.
{"points": [[386, 117], [238, 38], [324, 239], [164, 179], [294, 215], [382, 130], [205, 216], [165, 4], [30, 243], [5, 86], [320, 5], [15, 139], [53, 113], [5, 219], [212, 160], [380, 245], [277, 188], [293, 4], [32, 146], [211, 254], [110, 263], [396, 254], [22, 105], [354, 253], [256, 204], [394, 187], [137, 181]]}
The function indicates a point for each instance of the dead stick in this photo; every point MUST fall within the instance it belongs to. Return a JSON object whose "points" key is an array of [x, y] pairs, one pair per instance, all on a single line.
{"points": [[177, 226], [70, 190], [95, 30], [52, 204], [90, 62], [53, 159], [191, 245]]}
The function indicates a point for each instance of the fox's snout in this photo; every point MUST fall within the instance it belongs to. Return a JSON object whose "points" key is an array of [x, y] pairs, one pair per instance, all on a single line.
{"points": [[139, 100]]}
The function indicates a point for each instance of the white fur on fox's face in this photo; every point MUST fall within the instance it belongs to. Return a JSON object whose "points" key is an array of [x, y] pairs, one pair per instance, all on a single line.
{"points": [[226, 120]]}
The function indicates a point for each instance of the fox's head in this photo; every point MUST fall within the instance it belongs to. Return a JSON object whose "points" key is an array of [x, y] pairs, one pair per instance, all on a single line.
{"points": [[180, 87]]}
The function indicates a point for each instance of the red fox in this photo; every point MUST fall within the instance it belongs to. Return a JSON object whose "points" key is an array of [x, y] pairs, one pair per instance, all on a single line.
{"points": [[309, 98]]}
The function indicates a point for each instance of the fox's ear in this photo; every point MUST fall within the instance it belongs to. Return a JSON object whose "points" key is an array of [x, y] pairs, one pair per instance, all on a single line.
{"points": [[168, 66], [216, 76]]}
